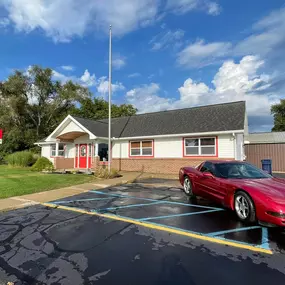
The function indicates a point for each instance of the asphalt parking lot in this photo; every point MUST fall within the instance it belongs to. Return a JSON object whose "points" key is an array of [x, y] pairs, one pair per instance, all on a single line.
{"points": [[136, 234]]}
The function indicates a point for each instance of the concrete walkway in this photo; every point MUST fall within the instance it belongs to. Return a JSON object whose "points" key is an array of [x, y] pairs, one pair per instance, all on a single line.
{"points": [[41, 197]]}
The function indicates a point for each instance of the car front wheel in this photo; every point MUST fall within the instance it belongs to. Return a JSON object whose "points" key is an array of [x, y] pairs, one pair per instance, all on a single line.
{"points": [[187, 186], [244, 207]]}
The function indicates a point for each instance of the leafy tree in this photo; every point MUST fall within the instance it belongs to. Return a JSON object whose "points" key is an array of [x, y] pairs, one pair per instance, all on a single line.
{"points": [[278, 112], [98, 108], [33, 104]]}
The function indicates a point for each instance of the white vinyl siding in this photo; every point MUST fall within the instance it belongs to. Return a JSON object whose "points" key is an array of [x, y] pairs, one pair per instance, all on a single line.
{"points": [[173, 147], [168, 147], [226, 146], [120, 149], [70, 151], [45, 152], [71, 127]]}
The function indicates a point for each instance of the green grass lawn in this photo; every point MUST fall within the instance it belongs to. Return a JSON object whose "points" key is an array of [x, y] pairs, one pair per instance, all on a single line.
{"points": [[21, 181]]}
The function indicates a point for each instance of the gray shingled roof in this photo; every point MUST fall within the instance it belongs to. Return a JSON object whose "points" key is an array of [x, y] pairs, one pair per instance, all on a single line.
{"points": [[212, 118], [272, 137]]}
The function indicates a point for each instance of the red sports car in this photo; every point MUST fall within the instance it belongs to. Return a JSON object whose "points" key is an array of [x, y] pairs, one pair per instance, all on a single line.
{"points": [[250, 192]]}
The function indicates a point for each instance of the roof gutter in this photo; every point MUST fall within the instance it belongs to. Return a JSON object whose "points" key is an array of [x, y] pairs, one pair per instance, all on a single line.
{"points": [[182, 135]]}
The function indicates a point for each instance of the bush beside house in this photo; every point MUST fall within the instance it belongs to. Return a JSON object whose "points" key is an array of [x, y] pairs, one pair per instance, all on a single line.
{"points": [[43, 163], [21, 159], [103, 172]]}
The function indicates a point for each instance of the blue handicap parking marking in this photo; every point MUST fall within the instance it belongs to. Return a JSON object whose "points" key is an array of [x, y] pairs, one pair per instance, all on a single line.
{"points": [[178, 215], [265, 241], [233, 231], [149, 199], [155, 220]]}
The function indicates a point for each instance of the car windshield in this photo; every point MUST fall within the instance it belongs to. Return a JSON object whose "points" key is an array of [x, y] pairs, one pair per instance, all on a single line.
{"points": [[239, 171]]}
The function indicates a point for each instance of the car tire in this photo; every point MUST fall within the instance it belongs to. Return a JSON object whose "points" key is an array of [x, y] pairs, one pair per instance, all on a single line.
{"points": [[187, 186], [244, 207]]}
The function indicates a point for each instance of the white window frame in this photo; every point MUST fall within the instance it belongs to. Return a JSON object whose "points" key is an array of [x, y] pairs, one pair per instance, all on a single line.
{"points": [[53, 151], [200, 146], [141, 148]]}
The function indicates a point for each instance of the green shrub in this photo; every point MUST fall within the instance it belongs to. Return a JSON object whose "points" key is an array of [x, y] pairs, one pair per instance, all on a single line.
{"points": [[20, 159], [102, 172], [43, 164]]}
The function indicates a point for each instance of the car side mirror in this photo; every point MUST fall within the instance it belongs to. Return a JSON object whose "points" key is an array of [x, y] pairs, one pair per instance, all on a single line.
{"points": [[208, 175]]}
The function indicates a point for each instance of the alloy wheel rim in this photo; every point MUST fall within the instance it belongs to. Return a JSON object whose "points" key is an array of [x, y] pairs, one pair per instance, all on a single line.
{"points": [[242, 207], [187, 186]]}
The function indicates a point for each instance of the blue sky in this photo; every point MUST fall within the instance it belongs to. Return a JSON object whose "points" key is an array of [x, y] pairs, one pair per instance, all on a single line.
{"points": [[166, 53]]}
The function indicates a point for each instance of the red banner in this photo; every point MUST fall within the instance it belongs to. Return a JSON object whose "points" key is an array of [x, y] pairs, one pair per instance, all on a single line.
{"points": [[1, 136]]}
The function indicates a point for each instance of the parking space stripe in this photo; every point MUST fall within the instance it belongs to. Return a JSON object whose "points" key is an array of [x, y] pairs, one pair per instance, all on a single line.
{"points": [[264, 241], [164, 228], [132, 205], [80, 200], [179, 215], [149, 199], [233, 231]]}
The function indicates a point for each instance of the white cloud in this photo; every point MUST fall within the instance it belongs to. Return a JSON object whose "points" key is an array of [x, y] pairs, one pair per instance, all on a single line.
{"points": [[61, 77], [192, 92], [87, 79], [146, 98], [80, 16], [214, 8], [133, 75], [4, 22], [167, 39], [233, 82], [267, 38], [68, 67], [103, 86], [184, 6], [200, 54], [118, 62], [84, 16]]}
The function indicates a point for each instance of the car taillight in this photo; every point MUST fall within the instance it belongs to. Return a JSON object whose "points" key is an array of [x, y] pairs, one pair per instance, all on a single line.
{"points": [[276, 214]]}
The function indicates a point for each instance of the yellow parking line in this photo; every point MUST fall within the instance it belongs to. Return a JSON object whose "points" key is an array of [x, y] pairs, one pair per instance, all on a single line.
{"points": [[163, 228]]}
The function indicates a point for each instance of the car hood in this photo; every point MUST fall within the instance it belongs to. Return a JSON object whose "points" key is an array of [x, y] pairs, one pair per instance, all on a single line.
{"points": [[273, 187]]}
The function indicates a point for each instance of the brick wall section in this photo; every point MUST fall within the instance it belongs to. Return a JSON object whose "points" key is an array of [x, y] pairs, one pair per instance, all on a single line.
{"points": [[95, 162], [63, 163], [156, 165]]}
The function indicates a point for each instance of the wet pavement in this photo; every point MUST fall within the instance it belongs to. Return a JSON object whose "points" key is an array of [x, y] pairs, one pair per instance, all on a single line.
{"points": [[46, 245]]}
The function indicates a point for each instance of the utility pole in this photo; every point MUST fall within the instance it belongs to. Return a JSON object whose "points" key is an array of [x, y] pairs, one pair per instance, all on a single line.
{"points": [[110, 102]]}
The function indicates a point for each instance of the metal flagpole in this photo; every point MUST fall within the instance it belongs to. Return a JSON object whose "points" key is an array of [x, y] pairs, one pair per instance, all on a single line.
{"points": [[110, 93]]}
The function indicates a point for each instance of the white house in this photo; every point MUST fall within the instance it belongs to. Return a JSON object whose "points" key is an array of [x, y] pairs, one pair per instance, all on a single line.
{"points": [[159, 142]]}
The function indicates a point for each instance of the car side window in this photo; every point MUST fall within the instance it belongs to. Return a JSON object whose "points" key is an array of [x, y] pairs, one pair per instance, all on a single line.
{"points": [[208, 167], [205, 167]]}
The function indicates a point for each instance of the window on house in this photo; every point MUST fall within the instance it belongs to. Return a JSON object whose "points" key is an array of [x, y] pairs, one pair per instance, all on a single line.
{"points": [[200, 146], [61, 149], [103, 151], [141, 148]]}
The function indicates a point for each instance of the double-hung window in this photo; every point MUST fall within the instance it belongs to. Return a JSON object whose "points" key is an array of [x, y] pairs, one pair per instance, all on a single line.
{"points": [[141, 148], [200, 146], [61, 149]]}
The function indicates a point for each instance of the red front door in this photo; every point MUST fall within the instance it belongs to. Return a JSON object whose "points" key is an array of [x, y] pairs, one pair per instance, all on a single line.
{"points": [[83, 156]]}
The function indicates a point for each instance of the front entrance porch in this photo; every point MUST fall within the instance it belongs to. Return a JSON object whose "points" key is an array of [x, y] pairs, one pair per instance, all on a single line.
{"points": [[80, 153], [72, 146]]}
